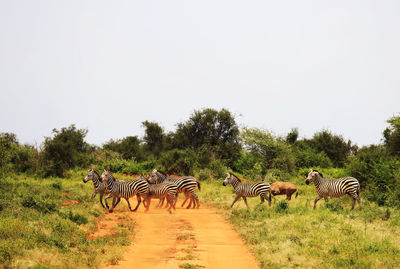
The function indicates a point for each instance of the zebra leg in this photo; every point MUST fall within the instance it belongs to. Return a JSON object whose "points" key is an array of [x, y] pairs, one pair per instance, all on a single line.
{"points": [[316, 200], [197, 200], [160, 202], [105, 200], [101, 200], [358, 200], [245, 201], [326, 199], [262, 199], [93, 195], [236, 198], [186, 198], [139, 201], [148, 204], [118, 200]]}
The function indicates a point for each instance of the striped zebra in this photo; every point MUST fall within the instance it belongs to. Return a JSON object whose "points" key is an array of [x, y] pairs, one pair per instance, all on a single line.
{"points": [[128, 189], [243, 190], [334, 187], [99, 186], [186, 185], [168, 190]]}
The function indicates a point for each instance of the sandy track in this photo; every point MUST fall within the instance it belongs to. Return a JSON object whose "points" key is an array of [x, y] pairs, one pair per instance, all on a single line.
{"points": [[197, 237]]}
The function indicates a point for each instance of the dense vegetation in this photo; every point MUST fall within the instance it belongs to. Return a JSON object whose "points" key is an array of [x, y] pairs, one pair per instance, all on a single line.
{"points": [[208, 144]]}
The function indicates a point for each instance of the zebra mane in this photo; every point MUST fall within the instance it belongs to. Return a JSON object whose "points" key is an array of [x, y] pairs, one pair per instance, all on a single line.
{"points": [[318, 173], [236, 176], [94, 171]]}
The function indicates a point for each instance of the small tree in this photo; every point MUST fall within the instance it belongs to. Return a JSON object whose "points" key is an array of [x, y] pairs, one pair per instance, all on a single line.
{"points": [[391, 136], [64, 150], [128, 147]]}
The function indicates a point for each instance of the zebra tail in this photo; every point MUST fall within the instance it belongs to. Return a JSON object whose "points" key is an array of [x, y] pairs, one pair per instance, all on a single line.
{"points": [[198, 184]]}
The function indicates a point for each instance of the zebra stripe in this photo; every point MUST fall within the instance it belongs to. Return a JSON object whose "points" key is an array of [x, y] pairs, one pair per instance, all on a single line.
{"points": [[186, 184], [126, 190], [243, 190], [98, 184], [334, 187], [168, 190]]}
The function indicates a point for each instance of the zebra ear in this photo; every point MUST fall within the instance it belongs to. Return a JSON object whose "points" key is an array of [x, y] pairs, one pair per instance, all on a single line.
{"points": [[228, 174], [311, 170], [104, 170]]}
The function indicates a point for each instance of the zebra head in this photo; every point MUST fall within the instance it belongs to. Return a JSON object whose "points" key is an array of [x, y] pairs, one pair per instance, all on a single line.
{"points": [[154, 177], [106, 175], [312, 176], [92, 175], [230, 179]]}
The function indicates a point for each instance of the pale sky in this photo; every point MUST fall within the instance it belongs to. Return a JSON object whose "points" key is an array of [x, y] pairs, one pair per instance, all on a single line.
{"points": [[109, 65]]}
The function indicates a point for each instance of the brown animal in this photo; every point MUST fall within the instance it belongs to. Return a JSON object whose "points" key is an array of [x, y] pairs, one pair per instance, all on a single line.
{"points": [[281, 188]]}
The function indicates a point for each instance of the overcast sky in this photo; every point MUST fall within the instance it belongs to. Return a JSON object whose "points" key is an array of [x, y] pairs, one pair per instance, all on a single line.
{"points": [[109, 65]]}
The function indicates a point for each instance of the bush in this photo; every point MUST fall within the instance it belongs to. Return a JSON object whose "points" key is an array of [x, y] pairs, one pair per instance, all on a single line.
{"points": [[282, 206], [181, 162], [377, 173], [334, 206], [128, 166]]}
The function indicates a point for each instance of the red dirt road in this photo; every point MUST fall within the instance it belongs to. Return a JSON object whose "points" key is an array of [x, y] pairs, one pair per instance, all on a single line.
{"points": [[199, 237]]}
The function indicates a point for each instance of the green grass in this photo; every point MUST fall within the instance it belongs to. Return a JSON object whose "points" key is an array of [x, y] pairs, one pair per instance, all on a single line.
{"points": [[292, 234], [37, 231]]}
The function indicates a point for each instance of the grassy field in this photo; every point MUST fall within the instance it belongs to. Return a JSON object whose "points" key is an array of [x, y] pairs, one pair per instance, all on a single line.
{"points": [[44, 223], [292, 234]]}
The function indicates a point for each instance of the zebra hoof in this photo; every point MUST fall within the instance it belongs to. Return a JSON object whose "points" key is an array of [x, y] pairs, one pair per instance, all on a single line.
{"points": [[110, 211]]}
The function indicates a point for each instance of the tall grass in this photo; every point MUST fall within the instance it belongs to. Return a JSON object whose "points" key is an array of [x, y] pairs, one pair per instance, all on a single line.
{"points": [[292, 234], [37, 230]]}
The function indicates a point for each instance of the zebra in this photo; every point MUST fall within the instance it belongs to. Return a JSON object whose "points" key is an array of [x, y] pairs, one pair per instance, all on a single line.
{"points": [[98, 184], [243, 190], [335, 187], [186, 185], [168, 190], [118, 189]]}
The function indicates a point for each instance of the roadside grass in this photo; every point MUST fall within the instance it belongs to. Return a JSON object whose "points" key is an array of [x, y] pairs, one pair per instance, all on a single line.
{"points": [[292, 234], [44, 223]]}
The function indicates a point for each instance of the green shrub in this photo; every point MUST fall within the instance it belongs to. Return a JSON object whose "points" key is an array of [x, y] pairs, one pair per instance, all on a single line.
{"points": [[282, 206], [181, 162], [377, 173], [334, 206]]}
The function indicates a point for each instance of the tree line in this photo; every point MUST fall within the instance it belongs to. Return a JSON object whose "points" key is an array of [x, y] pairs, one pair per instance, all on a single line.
{"points": [[210, 143]]}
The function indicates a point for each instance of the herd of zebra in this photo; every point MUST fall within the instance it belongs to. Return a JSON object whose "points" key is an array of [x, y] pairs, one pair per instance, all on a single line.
{"points": [[158, 185]]}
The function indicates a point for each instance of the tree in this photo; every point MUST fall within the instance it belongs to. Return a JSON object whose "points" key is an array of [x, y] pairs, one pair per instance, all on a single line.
{"points": [[154, 137], [128, 147], [292, 136], [391, 136], [271, 151], [213, 133], [64, 150], [333, 145]]}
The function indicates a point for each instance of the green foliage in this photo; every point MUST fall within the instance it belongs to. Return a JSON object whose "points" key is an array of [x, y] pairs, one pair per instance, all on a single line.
{"points": [[216, 133], [15, 157], [307, 156], [64, 150], [128, 147], [292, 136], [334, 206], [377, 172], [128, 166], [392, 136], [268, 150], [335, 146], [154, 138], [181, 162], [282, 206]]}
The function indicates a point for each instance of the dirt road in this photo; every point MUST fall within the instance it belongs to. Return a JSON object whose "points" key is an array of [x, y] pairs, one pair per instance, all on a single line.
{"points": [[195, 238]]}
